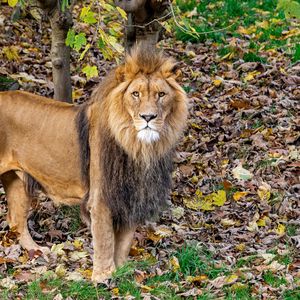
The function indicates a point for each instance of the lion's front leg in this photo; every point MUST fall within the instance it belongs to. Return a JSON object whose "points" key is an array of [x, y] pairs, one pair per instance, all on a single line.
{"points": [[103, 241], [123, 241]]}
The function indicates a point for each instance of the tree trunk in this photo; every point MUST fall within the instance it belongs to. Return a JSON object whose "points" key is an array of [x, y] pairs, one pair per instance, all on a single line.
{"points": [[142, 21], [60, 55]]}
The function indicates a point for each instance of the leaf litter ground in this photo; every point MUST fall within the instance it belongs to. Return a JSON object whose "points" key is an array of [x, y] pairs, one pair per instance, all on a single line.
{"points": [[232, 231]]}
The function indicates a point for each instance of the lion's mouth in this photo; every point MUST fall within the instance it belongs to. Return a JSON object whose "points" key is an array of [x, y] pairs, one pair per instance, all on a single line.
{"points": [[148, 135]]}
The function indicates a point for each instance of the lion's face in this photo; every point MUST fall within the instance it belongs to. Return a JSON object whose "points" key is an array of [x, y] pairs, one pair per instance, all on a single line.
{"points": [[146, 107], [148, 100]]}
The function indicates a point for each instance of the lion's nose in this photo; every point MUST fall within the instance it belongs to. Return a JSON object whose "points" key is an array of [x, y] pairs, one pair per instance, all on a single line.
{"points": [[149, 117]]}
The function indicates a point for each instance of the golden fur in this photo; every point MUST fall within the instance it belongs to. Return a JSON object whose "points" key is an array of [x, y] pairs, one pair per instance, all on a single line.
{"points": [[41, 138]]}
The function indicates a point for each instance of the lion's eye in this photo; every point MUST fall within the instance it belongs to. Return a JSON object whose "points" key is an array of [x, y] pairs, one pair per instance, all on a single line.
{"points": [[135, 93], [161, 94]]}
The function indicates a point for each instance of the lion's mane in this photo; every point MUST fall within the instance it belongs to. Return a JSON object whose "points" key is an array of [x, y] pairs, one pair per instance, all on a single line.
{"points": [[136, 177]]}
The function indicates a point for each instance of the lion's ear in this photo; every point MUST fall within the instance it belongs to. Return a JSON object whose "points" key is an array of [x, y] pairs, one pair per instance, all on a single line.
{"points": [[120, 73], [176, 72], [171, 69]]}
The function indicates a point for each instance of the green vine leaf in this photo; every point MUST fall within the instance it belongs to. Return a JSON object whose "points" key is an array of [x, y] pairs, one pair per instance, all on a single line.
{"points": [[80, 41], [90, 71], [88, 16], [70, 38]]}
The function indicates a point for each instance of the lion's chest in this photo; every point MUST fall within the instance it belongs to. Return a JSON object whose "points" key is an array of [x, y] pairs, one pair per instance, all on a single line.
{"points": [[134, 193]]}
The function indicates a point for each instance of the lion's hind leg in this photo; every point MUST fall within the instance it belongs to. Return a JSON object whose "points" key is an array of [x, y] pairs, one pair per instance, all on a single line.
{"points": [[18, 207], [123, 241]]}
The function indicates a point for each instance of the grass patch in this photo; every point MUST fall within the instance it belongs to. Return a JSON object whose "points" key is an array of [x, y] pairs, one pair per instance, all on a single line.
{"points": [[273, 280], [245, 261], [296, 56], [194, 261], [291, 229], [292, 294], [219, 20], [238, 293], [72, 212], [47, 290]]}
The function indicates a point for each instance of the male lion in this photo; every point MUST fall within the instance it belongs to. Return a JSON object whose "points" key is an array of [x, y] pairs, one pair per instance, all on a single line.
{"points": [[113, 154]]}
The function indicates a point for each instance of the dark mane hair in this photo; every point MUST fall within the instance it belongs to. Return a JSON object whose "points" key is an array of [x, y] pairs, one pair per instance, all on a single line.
{"points": [[82, 126], [133, 192]]}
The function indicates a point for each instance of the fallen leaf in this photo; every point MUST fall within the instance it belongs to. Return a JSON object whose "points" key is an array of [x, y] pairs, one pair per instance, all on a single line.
{"points": [[227, 222], [251, 75], [219, 197], [177, 212], [241, 173], [60, 270], [12, 53], [238, 195], [280, 230], [174, 263], [264, 192]]}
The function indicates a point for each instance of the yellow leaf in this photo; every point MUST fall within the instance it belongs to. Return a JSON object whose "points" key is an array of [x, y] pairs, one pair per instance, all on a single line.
{"points": [[12, 3], [163, 231], [198, 278], [237, 286], [264, 192], [249, 30], [115, 291], [198, 204], [227, 222], [154, 237], [261, 222], [174, 263], [280, 230], [231, 278], [60, 270], [264, 24], [251, 75], [240, 247], [229, 55], [217, 82], [58, 249], [87, 273], [290, 33], [11, 53], [122, 12], [146, 288], [238, 195], [77, 244], [219, 198], [77, 93]]}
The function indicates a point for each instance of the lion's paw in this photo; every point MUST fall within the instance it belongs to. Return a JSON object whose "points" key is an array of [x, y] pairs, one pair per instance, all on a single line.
{"points": [[101, 277]]}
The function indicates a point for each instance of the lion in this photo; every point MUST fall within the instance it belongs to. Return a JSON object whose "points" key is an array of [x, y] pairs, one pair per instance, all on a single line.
{"points": [[112, 155]]}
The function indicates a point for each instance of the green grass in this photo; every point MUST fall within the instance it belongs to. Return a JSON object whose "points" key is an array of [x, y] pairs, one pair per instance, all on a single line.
{"points": [[273, 280], [291, 229], [292, 294], [240, 293], [296, 56], [217, 20], [47, 289], [72, 212], [194, 261], [245, 261]]}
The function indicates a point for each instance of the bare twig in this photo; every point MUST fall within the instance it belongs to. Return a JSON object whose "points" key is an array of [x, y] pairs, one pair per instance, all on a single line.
{"points": [[152, 21]]}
